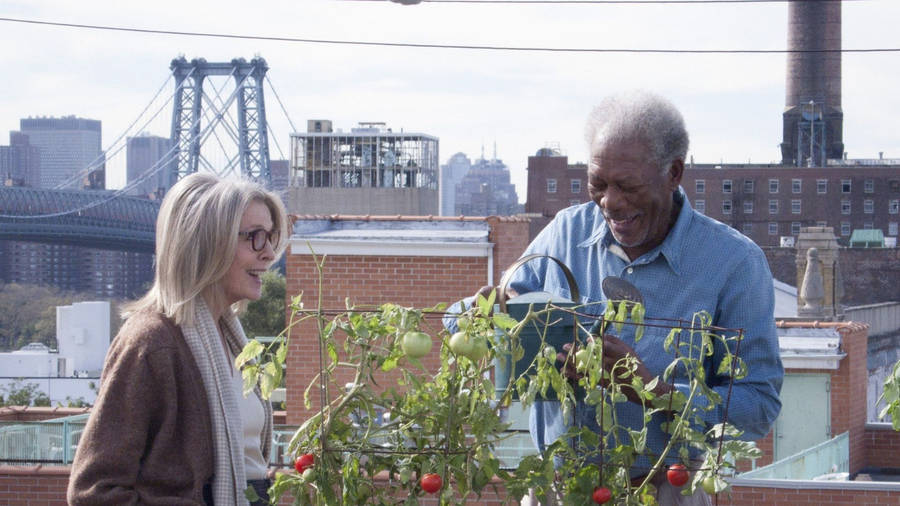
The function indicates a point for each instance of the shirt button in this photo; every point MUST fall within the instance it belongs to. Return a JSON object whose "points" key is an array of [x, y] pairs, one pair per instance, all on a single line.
{"points": [[630, 270]]}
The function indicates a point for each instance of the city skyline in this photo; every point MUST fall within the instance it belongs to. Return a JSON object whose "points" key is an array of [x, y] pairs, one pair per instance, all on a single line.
{"points": [[522, 100]]}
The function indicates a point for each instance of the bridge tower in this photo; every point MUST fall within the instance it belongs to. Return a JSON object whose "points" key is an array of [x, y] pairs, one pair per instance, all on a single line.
{"points": [[189, 102]]}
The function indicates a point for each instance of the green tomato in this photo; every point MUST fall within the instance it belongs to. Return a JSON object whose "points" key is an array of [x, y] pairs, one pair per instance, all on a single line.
{"points": [[416, 344], [308, 475], [582, 359], [709, 484], [461, 345]]}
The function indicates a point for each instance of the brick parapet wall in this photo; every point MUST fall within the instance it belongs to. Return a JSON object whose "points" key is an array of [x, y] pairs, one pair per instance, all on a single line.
{"points": [[33, 485], [417, 282], [510, 238], [882, 446]]}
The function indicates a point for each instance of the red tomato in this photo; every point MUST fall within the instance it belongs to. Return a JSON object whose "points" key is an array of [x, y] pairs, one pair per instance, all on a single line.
{"points": [[304, 462], [431, 482], [601, 495], [677, 475]]}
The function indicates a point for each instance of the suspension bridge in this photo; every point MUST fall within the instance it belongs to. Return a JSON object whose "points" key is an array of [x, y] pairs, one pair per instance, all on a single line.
{"points": [[211, 131]]}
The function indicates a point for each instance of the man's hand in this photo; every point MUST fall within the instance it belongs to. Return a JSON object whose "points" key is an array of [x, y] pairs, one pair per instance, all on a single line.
{"points": [[614, 350]]}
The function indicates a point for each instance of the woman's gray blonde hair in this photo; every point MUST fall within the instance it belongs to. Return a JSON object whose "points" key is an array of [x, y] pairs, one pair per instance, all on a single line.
{"points": [[639, 116], [196, 239]]}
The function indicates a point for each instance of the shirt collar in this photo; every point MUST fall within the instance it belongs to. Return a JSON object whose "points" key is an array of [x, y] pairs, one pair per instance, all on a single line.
{"points": [[672, 245]]}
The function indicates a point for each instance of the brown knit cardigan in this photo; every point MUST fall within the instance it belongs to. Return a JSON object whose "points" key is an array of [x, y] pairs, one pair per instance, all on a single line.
{"points": [[148, 439]]}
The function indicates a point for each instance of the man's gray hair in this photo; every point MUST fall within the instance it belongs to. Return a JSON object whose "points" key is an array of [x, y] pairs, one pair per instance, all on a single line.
{"points": [[639, 116]]}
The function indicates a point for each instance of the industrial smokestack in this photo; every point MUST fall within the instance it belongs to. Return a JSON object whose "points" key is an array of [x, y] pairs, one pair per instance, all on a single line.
{"points": [[813, 118]]}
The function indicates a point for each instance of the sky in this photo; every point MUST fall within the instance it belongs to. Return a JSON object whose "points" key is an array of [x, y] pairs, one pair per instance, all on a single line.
{"points": [[470, 99]]}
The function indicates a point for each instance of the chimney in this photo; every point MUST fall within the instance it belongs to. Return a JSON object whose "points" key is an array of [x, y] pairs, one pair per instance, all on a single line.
{"points": [[813, 117]]}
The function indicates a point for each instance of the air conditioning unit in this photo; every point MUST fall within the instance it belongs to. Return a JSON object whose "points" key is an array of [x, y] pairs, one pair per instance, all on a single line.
{"points": [[787, 241]]}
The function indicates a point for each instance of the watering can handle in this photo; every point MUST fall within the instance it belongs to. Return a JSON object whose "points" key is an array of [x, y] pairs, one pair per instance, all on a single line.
{"points": [[504, 281]]}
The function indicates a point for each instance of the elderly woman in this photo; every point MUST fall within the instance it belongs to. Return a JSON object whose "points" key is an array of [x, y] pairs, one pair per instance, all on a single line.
{"points": [[171, 425]]}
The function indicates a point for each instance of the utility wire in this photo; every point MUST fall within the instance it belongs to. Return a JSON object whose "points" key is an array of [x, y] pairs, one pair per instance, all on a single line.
{"points": [[595, 2], [447, 46]]}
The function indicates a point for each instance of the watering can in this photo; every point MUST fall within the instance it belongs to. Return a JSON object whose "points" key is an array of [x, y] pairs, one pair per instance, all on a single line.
{"points": [[554, 328]]}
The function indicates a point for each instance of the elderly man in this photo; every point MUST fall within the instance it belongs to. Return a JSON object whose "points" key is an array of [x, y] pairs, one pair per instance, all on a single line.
{"points": [[640, 227]]}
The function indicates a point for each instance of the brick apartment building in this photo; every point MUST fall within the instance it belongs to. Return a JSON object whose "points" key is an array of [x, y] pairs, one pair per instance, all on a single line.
{"points": [[767, 202], [764, 202], [553, 184]]}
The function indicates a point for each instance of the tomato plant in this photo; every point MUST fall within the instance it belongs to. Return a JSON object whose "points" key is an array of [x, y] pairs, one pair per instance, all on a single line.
{"points": [[431, 482], [677, 475], [398, 420]]}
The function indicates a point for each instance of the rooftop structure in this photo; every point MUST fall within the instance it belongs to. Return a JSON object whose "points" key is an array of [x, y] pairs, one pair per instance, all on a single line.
{"points": [[370, 170]]}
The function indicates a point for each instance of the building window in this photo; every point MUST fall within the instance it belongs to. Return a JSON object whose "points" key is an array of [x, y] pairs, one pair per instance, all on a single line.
{"points": [[576, 186], [773, 186], [748, 207], [773, 207], [894, 206], [726, 207], [845, 186], [845, 207], [747, 228], [821, 186], [748, 186], [894, 185], [795, 206], [892, 228], [795, 185], [726, 186], [867, 225], [574, 202], [795, 228], [773, 228], [821, 223], [700, 206], [869, 186], [868, 206], [551, 186], [700, 186], [845, 228]]}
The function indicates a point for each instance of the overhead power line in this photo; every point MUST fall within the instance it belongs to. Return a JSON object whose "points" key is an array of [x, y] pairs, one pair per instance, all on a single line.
{"points": [[598, 2], [443, 46]]}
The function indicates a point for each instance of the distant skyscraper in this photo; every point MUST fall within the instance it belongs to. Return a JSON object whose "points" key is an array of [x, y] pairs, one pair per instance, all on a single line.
{"points": [[280, 175], [147, 152], [451, 174], [20, 162], [486, 191], [66, 146]]}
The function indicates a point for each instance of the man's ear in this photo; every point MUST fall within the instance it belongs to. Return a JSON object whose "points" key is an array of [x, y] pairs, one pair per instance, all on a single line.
{"points": [[676, 172]]}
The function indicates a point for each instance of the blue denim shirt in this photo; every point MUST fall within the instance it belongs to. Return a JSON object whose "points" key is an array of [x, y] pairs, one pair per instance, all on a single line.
{"points": [[701, 265]]}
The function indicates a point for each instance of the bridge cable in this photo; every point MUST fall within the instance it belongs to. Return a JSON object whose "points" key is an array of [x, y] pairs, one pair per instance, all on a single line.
{"points": [[101, 159]]}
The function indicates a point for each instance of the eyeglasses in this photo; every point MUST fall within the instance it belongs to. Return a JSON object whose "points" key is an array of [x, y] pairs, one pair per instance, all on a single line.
{"points": [[259, 237]]}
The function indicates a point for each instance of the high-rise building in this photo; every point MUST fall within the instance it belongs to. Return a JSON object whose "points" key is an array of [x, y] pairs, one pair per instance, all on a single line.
{"points": [[485, 190], [67, 146], [103, 273], [451, 174], [150, 157], [20, 162], [370, 170], [280, 175]]}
